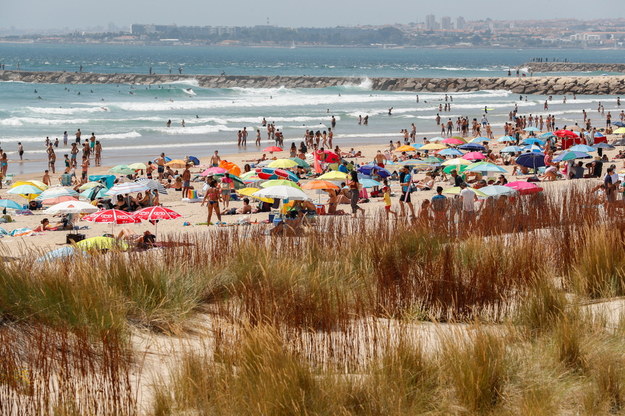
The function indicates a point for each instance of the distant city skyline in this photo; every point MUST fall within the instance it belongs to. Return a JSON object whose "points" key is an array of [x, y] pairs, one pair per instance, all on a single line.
{"points": [[80, 14]]}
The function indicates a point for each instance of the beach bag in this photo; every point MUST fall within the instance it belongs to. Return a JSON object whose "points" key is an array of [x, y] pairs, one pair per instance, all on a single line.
{"points": [[74, 238]]}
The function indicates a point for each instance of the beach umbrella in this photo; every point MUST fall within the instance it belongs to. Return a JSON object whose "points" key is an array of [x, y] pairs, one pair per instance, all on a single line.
{"points": [[300, 162], [524, 188], [485, 167], [251, 191], [126, 188], [9, 204], [122, 170], [459, 169], [405, 148], [456, 191], [111, 216], [321, 184], [177, 164], [532, 148], [456, 162], [474, 156], [283, 192], [213, 171], [450, 152], [474, 147], [531, 160], [138, 166], [547, 135], [567, 134], [275, 173], [531, 129], [369, 183], [620, 142], [102, 243], [230, 167], [431, 159], [452, 141], [533, 141], [58, 199], [272, 149], [94, 193], [59, 253], [433, 146], [282, 163], [620, 130], [581, 148], [371, 169], [151, 184], [280, 182], [602, 146], [511, 149], [436, 139], [506, 139], [155, 214], [619, 124], [498, 190], [480, 140], [56, 192], [71, 207], [27, 191], [35, 183], [194, 160], [571, 155], [334, 175], [89, 185]]}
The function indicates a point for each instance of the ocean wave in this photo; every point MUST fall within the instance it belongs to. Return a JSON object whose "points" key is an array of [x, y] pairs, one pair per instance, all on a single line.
{"points": [[129, 135], [25, 121], [204, 129], [95, 108]]}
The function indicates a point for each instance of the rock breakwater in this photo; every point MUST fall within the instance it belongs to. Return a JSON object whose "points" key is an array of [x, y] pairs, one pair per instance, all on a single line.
{"points": [[573, 67], [582, 85]]}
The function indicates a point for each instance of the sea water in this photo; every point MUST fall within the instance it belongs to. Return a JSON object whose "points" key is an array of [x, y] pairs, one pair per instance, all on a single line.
{"points": [[130, 120]]}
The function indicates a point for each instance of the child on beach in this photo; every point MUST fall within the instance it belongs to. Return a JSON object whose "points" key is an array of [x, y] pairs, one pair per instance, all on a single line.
{"points": [[387, 200]]}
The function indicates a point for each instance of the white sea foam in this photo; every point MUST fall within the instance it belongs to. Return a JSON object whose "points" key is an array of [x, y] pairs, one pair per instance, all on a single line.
{"points": [[25, 121], [128, 135], [95, 108]]}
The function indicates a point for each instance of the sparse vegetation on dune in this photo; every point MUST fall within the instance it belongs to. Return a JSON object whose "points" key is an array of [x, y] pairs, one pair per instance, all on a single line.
{"points": [[358, 317]]}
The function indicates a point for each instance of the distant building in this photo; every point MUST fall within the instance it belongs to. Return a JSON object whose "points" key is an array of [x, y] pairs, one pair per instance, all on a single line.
{"points": [[446, 23], [430, 22], [461, 24]]}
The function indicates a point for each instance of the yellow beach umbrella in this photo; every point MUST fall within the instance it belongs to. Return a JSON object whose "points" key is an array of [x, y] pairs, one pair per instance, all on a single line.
{"points": [[35, 183], [456, 191], [250, 191], [456, 162], [283, 163], [280, 182], [405, 148], [334, 175], [433, 146], [138, 166], [176, 164]]}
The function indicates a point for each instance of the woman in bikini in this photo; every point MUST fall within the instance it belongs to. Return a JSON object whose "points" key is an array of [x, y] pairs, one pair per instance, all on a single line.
{"points": [[213, 196]]}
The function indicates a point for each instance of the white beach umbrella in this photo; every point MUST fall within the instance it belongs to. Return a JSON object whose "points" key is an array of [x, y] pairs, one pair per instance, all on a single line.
{"points": [[71, 207], [152, 184], [56, 192], [127, 188], [282, 192]]}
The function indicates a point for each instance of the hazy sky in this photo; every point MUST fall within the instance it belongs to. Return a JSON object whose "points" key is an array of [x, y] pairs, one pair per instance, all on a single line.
{"points": [[45, 14]]}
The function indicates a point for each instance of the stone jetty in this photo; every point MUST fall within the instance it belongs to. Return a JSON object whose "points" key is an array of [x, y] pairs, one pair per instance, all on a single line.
{"points": [[573, 67], [544, 85]]}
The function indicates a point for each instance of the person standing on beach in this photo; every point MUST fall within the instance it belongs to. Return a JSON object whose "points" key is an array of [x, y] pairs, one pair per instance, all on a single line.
{"points": [[46, 178], [51, 158], [78, 134], [244, 136], [98, 153], [212, 197], [92, 142], [405, 180], [73, 154], [386, 191], [257, 137], [354, 194], [333, 122], [160, 166], [20, 150], [215, 159], [468, 203], [186, 181], [64, 138]]}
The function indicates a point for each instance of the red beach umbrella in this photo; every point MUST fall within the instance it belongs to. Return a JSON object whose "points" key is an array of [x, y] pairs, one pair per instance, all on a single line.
{"points": [[473, 156], [567, 134], [156, 214], [524, 188], [272, 149], [113, 216]]}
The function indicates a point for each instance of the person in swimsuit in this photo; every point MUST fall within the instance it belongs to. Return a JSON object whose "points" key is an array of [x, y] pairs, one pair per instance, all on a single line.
{"points": [[354, 194], [213, 196]]}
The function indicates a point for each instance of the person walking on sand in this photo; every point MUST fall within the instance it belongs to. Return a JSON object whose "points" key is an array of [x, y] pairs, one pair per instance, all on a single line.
{"points": [[387, 200], [186, 181], [160, 166], [405, 180], [212, 197], [354, 194]]}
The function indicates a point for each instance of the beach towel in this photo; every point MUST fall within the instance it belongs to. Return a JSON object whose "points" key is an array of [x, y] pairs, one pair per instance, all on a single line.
{"points": [[21, 232]]}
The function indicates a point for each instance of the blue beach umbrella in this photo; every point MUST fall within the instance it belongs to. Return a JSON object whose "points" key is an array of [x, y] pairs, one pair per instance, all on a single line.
{"points": [[498, 190], [547, 135], [485, 167], [369, 183], [194, 160], [571, 155], [534, 141], [581, 148], [450, 152], [602, 146], [618, 124], [531, 129], [371, 169], [532, 148], [480, 140], [511, 149], [506, 139], [474, 147], [25, 190], [7, 203], [531, 160]]}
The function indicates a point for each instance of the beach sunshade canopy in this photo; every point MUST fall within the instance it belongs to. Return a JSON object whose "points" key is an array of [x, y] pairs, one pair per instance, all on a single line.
{"points": [[405, 148], [94, 193], [25, 190], [533, 141], [282, 163], [456, 162], [485, 167], [531, 160], [55, 192], [506, 139], [436, 139], [71, 207], [567, 134], [177, 164], [480, 140], [127, 188], [433, 146], [458, 169], [111, 216], [156, 213], [300, 162], [571, 155], [511, 149], [334, 175], [498, 190], [103, 243], [371, 169], [34, 182], [431, 159], [251, 191], [369, 183], [532, 129], [272, 149], [279, 182], [58, 199], [283, 192], [194, 160], [213, 171], [456, 191], [138, 166], [450, 152], [474, 147], [619, 124], [602, 146], [122, 170], [89, 185], [524, 188], [9, 204], [581, 148], [320, 184], [474, 156], [151, 184]]}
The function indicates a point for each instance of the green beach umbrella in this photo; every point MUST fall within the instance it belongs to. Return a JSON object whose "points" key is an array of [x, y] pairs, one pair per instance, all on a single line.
{"points": [[279, 182], [300, 162], [459, 169], [122, 170]]}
